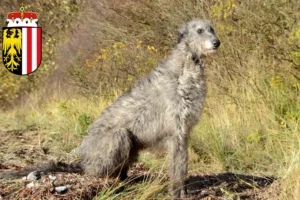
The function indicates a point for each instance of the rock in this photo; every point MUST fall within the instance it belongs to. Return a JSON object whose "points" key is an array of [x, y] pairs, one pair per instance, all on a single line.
{"points": [[52, 177], [30, 185], [62, 189], [35, 175]]}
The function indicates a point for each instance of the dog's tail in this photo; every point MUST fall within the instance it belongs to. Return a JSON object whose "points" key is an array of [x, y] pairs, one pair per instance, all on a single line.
{"points": [[74, 167]]}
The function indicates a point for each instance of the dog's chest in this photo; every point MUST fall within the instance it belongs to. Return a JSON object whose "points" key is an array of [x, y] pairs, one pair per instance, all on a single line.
{"points": [[192, 92]]}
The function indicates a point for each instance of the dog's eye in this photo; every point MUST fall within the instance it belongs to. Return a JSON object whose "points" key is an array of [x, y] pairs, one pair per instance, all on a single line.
{"points": [[200, 31]]}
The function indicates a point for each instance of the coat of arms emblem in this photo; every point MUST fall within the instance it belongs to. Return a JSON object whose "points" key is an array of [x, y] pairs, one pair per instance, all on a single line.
{"points": [[22, 42]]}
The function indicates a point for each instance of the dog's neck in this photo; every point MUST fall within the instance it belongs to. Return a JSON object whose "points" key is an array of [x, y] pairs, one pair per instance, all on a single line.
{"points": [[197, 60]]}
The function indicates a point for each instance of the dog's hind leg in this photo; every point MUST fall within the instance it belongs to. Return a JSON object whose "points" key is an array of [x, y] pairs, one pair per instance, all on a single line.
{"points": [[109, 154]]}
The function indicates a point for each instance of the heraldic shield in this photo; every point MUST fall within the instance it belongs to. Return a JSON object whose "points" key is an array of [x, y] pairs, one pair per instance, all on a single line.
{"points": [[22, 42], [22, 49]]}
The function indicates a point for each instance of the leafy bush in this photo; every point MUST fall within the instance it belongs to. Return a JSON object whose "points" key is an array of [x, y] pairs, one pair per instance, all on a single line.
{"points": [[84, 121], [114, 67]]}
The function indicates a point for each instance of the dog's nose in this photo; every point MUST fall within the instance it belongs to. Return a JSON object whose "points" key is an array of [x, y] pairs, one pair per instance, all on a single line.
{"points": [[216, 43]]}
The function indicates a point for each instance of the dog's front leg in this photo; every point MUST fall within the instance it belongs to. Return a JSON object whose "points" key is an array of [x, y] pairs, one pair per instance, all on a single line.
{"points": [[178, 165]]}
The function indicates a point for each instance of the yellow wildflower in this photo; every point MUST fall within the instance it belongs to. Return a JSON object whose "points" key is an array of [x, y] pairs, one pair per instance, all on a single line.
{"points": [[138, 43]]}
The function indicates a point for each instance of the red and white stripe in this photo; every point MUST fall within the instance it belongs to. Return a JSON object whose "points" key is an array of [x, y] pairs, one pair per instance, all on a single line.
{"points": [[31, 49]]}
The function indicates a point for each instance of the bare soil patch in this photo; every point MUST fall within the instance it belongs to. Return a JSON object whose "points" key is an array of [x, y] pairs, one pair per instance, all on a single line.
{"points": [[80, 186]]}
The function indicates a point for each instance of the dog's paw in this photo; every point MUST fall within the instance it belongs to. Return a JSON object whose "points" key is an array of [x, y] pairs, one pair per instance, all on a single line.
{"points": [[179, 193], [183, 194]]}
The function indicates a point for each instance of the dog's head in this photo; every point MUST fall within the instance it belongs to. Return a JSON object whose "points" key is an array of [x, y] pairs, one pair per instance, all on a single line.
{"points": [[199, 37]]}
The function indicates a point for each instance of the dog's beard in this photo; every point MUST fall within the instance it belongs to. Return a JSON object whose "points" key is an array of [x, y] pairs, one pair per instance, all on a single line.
{"points": [[207, 51], [210, 53]]}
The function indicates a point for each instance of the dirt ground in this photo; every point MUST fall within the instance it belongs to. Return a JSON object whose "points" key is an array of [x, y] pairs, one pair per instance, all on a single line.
{"points": [[17, 148]]}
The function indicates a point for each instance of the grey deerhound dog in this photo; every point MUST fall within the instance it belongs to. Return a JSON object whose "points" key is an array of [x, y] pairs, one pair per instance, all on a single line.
{"points": [[160, 110]]}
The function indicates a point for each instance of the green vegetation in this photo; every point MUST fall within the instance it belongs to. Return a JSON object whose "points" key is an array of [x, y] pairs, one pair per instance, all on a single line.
{"points": [[93, 51]]}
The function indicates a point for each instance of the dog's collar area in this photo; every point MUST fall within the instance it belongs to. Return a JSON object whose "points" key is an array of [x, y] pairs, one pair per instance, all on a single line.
{"points": [[197, 61]]}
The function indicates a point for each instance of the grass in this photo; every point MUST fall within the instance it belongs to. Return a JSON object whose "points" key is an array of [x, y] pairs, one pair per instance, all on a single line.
{"points": [[254, 136]]}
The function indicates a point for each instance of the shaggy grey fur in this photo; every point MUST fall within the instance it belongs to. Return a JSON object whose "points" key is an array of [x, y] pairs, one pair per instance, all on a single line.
{"points": [[160, 110]]}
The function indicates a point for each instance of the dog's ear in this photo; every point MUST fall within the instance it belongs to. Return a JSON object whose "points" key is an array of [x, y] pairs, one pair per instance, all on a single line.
{"points": [[182, 32]]}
